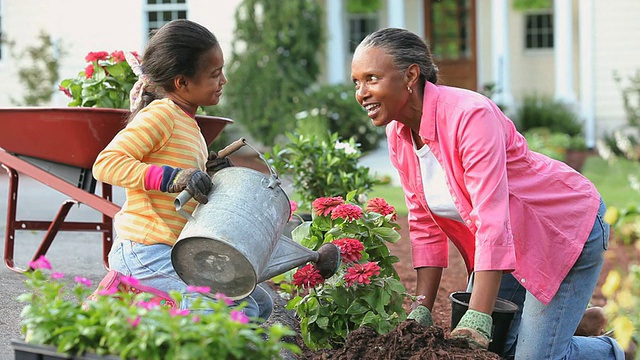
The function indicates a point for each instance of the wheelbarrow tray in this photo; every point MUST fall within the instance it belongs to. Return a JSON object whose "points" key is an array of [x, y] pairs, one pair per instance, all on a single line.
{"points": [[73, 135]]}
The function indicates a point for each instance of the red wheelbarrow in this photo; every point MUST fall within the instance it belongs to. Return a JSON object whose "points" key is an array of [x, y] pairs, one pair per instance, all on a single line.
{"points": [[57, 147]]}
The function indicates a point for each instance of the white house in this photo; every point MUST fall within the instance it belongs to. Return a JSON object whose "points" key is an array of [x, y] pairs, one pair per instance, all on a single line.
{"points": [[570, 50]]}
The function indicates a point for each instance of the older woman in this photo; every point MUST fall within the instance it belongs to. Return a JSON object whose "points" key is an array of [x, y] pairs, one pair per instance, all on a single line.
{"points": [[469, 177]]}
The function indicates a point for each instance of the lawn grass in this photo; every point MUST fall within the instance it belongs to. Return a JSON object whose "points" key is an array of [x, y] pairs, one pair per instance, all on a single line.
{"points": [[610, 180]]}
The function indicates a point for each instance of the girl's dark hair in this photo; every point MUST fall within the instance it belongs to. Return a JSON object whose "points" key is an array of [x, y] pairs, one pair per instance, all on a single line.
{"points": [[405, 48], [174, 49]]}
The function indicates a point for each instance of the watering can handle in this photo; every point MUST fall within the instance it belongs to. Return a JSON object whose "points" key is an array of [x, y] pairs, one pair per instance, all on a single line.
{"points": [[184, 196], [233, 147]]}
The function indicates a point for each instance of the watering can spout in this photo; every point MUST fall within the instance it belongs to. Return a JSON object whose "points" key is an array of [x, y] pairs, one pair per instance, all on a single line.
{"points": [[288, 255]]}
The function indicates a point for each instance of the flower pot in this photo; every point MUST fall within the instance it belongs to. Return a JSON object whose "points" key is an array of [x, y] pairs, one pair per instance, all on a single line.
{"points": [[26, 351], [502, 315]]}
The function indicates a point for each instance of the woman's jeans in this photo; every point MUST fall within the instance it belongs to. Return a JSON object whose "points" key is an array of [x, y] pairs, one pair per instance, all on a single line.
{"points": [[151, 265], [541, 331]]}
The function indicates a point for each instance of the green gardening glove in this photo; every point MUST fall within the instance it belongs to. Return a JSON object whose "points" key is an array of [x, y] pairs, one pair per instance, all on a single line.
{"points": [[474, 326], [422, 315]]}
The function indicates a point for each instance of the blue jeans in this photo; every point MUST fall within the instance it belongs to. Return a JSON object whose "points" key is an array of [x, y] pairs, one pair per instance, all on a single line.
{"points": [[151, 265], [541, 331]]}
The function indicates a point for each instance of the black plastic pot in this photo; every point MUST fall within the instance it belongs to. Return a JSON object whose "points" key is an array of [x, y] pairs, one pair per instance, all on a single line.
{"points": [[26, 351], [502, 316]]}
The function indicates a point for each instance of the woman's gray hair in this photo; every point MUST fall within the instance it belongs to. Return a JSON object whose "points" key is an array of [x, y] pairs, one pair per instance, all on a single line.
{"points": [[405, 48]]}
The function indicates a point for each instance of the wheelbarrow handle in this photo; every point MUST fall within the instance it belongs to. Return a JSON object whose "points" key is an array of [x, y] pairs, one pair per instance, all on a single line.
{"points": [[233, 147]]}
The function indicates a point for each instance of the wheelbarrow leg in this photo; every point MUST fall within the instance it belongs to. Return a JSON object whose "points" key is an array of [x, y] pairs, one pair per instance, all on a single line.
{"points": [[53, 228], [107, 223], [10, 235]]}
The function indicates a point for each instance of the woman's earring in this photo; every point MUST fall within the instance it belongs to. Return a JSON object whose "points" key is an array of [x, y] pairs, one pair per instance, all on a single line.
{"points": [[410, 90]]}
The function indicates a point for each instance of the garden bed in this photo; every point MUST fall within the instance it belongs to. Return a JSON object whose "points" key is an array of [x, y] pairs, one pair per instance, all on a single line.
{"points": [[408, 340]]}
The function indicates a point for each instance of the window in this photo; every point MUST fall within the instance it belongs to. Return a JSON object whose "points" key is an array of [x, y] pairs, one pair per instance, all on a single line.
{"points": [[160, 12], [450, 31], [539, 31], [361, 25]]}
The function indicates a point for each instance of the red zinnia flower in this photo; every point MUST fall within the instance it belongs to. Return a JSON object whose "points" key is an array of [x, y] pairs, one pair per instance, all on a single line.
{"points": [[350, 249], [349, 212], [380, 206], [65, 90], [324, 206], [88, 71], [361, 273], [95, 56], [118, 56], [308, 276]]}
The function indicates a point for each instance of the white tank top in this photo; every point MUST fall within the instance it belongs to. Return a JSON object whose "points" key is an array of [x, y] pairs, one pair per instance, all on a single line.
{"points": [[435, 186]]}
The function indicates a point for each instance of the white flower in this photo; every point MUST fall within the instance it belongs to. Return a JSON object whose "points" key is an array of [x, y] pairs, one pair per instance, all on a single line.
{"points": [[302, 115], [348, 149]]}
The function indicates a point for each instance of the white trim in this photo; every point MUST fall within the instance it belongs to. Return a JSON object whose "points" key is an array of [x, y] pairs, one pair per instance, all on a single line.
{"points": [[563, 51], [395, 13], [336, 43], [587, 71]]}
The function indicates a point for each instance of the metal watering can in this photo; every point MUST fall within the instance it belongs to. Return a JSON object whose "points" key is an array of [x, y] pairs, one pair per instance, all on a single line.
{"points": [[235, 241]]}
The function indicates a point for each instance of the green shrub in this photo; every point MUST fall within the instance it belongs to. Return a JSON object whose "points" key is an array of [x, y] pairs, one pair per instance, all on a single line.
{"points": [[544, 112], [333, 109]]}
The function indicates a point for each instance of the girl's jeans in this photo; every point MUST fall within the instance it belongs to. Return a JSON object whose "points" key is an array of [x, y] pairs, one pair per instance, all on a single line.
{"points": [[151, 265], [541, 331]]}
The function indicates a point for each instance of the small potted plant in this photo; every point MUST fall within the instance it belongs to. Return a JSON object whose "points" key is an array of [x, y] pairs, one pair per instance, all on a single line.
{"points": [[58, 318], [365, 291], [321, 167]]}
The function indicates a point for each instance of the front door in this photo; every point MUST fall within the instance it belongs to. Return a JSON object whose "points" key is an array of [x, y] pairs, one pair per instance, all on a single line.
{"points": [[450, 31]]}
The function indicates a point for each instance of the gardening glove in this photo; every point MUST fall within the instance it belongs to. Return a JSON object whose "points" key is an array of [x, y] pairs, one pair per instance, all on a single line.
{"points": [[195, 181], [474, 326], [215, 163], [422, 315]]}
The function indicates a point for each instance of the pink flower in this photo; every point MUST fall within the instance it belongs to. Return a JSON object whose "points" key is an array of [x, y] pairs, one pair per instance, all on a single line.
{"points": [[239, 316], [41, 263], [308, 276], [324, 206], [195, 318], [178, 312], [198, 289], [83, 280], [88, 71], [57, 275], [223, 297], [149, 305], [134, 322], [294, 207], [130, 280], [109, 291], [350, 249], [361, 273], [95, 56], [380, 206], [348, 212]]}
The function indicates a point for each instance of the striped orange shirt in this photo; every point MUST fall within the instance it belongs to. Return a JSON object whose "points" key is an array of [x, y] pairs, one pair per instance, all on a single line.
{"points": [[160, 134]]}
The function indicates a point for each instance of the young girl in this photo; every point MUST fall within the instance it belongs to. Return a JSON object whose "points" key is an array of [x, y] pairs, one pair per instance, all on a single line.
{"points": [[162, 152], [469, 178]]}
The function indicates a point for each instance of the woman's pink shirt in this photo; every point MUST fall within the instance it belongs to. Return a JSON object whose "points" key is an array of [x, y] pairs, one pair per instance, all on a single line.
{"points": [[522, 211]]}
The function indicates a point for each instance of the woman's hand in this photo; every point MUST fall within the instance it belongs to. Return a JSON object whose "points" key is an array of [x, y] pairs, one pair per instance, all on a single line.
{"points": [[474, 326]]}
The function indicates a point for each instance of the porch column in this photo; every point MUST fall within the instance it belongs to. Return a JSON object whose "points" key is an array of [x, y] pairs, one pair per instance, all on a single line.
{"points": [[563, 51], [587, 70], [336, 43], [395, 11], [500, 53]]}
